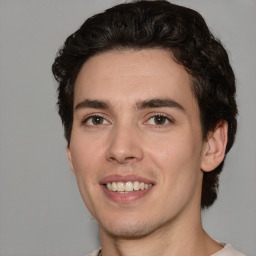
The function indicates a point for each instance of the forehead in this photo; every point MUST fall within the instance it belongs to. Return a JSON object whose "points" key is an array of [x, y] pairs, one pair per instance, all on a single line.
{"points": [[131, 75]]}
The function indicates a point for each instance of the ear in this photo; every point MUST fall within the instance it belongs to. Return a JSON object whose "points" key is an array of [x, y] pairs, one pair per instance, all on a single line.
{"points": [[70, 162], [215, 147]]}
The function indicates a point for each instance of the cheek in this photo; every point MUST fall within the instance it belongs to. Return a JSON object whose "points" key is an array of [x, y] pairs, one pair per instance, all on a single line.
{"points": [[176, 156], [86, 152], [85, 159], [169, 147], [178, 168]]}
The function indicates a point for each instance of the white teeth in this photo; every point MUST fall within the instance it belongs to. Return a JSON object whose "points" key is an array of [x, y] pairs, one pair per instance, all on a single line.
{"points": [[142, 185], [120, 186], [136, 185], [114, 186], [127, 186], [109, 186]]}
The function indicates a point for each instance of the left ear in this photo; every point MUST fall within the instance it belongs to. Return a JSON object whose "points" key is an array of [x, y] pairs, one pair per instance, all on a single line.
{"points": [[214, 151], [70, 159]]}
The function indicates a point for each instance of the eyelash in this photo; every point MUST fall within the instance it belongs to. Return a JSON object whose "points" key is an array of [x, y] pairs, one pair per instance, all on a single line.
{"points": [[155, 115], [86, 119], [165, 117]]}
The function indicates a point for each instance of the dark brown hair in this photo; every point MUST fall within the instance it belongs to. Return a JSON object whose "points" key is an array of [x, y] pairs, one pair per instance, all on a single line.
{"points": [[157, 24]]}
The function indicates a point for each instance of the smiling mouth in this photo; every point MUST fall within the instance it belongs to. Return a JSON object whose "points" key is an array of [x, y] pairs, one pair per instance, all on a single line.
{"points": [[127, 187]]}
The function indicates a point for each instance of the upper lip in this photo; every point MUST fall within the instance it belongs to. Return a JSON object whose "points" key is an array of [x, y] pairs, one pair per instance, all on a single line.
{"points": [[124, 178]]}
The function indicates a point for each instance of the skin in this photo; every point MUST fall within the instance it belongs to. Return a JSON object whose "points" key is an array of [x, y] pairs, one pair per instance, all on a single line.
{"points": [[162, 144]]}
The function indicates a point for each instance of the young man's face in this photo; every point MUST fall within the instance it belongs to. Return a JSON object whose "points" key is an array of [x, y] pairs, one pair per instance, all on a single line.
{"points": [[137, 130]]}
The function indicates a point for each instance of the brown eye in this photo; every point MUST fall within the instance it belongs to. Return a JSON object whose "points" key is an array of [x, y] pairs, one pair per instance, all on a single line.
{"points": [[95, 120], [160, 120]]}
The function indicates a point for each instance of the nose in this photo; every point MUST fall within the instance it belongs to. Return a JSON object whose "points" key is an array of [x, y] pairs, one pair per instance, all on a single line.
{"points": [[124, 146]]}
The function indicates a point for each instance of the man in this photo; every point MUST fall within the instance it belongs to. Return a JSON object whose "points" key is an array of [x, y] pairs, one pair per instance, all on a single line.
{"points": [[147, 98]]}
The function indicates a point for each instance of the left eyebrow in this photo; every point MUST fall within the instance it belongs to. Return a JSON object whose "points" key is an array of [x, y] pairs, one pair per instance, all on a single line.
{"points": [[97, 104], [159, 103]]}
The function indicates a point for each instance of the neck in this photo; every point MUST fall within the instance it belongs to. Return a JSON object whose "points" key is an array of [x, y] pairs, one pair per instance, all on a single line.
{"points": [[170, 240]]}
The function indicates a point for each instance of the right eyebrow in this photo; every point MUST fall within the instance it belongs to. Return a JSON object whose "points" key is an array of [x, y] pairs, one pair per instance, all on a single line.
{"points": [[97, 104], [158, 103]]}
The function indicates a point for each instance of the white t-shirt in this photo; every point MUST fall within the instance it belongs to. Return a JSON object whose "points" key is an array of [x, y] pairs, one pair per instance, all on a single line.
{"points": [[227, 250]]}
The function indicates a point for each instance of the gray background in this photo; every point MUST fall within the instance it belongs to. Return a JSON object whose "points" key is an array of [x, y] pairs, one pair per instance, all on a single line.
{"points": [[41, 212]]}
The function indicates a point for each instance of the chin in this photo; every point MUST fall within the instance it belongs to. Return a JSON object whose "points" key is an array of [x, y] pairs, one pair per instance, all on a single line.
{"points": [[129, 230]]}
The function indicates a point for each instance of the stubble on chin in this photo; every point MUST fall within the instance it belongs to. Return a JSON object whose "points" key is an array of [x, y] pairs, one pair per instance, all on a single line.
{"points": [[132, 231]]}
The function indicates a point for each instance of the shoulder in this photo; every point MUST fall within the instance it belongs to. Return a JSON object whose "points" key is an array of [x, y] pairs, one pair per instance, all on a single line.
{"points": [[228, 250], [95, 253]]}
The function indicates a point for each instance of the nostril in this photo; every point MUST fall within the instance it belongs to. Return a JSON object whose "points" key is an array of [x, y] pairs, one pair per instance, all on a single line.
{"points": [[121, 160], [123, 149], [129, 158]]}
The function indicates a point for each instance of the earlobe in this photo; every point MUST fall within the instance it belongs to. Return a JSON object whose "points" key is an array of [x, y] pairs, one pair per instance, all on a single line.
{"points": [[70, 159], [214, 151]]}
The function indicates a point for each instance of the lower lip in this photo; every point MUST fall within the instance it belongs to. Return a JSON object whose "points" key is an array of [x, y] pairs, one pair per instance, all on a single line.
{"points": [[126, 198]]}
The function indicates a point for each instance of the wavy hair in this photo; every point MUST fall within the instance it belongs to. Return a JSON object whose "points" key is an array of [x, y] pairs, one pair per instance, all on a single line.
{"points": [[163, 25]]}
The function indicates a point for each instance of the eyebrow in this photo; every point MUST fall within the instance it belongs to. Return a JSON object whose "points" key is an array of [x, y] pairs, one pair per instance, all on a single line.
{"points": [[140, 105], [97, 104], [159, 103]]}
